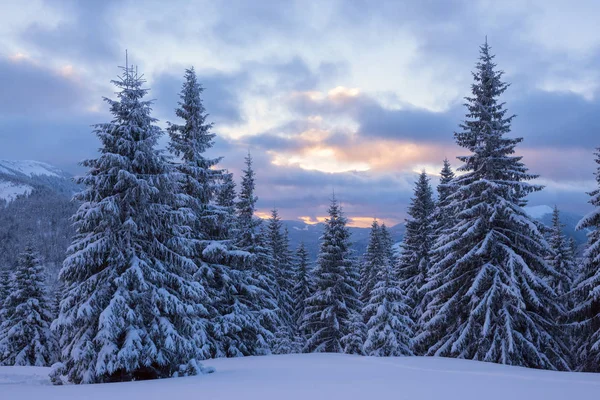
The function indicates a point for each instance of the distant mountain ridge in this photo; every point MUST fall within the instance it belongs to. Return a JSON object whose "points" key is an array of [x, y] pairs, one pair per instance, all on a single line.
{"points": [[311, 233], [43, 213], [21, 178]]}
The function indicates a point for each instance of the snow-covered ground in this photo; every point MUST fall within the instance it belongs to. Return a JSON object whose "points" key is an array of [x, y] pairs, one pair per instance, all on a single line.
{"points": [[10, 190], [323, 376]]}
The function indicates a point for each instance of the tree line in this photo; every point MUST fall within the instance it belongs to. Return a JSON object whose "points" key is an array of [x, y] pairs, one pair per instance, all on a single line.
{"points": [[170, 266]]}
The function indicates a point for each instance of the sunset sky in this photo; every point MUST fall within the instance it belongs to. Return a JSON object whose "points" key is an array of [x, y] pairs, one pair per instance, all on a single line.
{"points": [[351, 96]]}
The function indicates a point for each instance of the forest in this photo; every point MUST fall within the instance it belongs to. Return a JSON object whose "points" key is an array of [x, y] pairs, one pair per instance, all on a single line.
{"points": [[169, 265]]}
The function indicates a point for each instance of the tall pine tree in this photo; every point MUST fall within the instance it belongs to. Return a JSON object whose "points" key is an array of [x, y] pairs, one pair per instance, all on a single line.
{"points": [[300, 293], [131, 309], [331, 308], [442, 218], [490, 299], [278, 243], [586, 311], [25, 335], [560, 258], [198, 179], [372, 261], [414, 261], [251, 238]]}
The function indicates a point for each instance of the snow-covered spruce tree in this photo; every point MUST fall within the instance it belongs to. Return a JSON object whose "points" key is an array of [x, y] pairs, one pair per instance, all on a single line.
{"points": [[200, 185], [560, 258], [251, 239], [331, 308], [372, 261], [387, 243], [278, 243], [490, 299], [389, 327], [131, 309], [286, 284], [225, 201], [585, 314], [414, 260], [300, 293], [442, 217], [236, 327], [354, 340], [189, 142], [25, 335]]}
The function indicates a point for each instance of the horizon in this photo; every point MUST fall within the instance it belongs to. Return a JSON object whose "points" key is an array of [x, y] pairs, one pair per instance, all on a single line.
{"points": [[359, 100]]}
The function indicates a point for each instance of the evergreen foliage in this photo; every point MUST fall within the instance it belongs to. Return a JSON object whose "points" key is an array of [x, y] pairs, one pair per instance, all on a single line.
{"points": [[300, 293], [331, 307], [131, 308], [26, 315], [585, 313], [372, 261], [561, 258], [490, 299], [390, 327], [442, 215], [252, 239], [414, 263]]}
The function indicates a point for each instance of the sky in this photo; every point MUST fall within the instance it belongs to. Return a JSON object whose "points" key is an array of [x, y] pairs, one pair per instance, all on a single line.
{"points": [[352, 97]]}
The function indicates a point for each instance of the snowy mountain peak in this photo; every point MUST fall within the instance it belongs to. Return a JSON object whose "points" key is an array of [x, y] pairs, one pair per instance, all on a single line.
{"points": [[538, 212], [29, 168]]}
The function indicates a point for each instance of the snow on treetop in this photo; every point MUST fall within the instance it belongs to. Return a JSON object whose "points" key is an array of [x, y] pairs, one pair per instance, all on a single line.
{"points": [[28, 167]]}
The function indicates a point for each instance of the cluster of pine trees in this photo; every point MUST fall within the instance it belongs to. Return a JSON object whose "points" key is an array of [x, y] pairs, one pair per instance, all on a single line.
{"points": [[170, 266]]}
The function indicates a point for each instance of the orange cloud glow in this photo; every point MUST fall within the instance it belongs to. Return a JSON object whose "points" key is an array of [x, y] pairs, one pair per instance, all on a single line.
{"points": [[365, 222]]}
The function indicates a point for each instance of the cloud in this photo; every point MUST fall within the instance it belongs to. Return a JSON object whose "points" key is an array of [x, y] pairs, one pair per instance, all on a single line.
{"points": [[86, 35], [311, 87], [62, 142], [29, 88]]}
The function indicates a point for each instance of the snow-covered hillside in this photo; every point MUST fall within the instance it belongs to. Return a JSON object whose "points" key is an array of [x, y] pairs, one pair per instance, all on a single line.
{"points": [[11, 190], [324, 376], [21, 177], [29, 168]]}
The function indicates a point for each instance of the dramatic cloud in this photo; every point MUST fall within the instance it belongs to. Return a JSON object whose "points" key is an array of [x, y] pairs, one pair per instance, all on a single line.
{"points": [[354, 97]]}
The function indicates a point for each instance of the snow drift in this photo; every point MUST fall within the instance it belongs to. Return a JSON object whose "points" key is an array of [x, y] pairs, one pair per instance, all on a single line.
{"points": [[323, 376]]}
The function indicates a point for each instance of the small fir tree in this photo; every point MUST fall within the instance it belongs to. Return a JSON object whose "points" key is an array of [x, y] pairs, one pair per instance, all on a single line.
{"points": [[331, 307], [25, 335], [300, 293], [390, 327], [414, 262]]}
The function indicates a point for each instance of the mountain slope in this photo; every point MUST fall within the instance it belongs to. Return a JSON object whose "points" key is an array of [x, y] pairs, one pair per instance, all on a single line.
{"points": [[35, 208], [311, 234], [324, 376]]}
